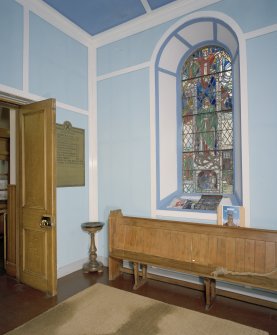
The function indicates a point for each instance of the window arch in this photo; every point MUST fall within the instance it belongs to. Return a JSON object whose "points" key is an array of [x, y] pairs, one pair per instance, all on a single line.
{"points": [[207, 122], [170, 56]]}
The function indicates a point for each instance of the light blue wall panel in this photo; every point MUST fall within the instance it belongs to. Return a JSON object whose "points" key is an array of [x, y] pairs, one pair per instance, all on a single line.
{"points": [[123, 147], [262, 73], [129, 51], [11, 44], [58, 64], [249, 14], [115, 182], [72, 205]]}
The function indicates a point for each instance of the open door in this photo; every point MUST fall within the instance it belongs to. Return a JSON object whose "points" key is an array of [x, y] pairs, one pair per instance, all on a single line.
{"points": [[36, 180]]}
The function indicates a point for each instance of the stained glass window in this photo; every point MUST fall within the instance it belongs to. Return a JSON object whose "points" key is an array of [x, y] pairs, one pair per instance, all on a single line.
{"points": [[207, 122]]}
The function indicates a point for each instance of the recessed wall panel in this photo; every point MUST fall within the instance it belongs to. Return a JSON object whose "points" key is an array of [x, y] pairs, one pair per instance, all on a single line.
{"points": [[226, 37], [167, 135], [172, 55], [11, 44], [198, 32], [58, 64]]}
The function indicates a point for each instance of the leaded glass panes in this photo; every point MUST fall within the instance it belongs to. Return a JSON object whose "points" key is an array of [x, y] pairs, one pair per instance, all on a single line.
{"points": [[207, 122]]}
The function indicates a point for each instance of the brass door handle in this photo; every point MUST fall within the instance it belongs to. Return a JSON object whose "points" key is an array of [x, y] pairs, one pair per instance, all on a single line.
{"points": [[45, 222]]}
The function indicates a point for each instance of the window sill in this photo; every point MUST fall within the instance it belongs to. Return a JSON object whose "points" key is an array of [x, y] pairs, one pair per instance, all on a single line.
{"points": [[192, 216], [197, 216]]}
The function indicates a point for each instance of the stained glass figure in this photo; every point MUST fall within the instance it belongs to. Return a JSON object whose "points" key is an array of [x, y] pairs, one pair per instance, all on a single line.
{"points": [[207, 122]]}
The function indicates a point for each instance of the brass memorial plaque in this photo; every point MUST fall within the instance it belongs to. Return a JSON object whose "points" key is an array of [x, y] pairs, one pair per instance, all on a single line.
{"points": [[70, 155]]}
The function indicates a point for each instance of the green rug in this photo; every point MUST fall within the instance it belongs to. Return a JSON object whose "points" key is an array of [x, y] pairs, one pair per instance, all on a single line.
{"points": [[103, 310]]}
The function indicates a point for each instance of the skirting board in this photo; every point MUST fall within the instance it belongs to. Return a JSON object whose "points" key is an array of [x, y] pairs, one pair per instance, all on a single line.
{"points": [[75, 266]]}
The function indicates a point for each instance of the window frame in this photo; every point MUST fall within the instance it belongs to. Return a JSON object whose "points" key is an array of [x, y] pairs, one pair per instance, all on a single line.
{"points": [[180, 137]]}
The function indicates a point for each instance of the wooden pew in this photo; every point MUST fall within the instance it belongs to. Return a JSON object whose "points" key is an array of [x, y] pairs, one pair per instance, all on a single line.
{"points": [[196, 249]]}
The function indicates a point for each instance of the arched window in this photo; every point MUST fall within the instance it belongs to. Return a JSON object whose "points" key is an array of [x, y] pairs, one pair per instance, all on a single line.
{"points": [[197, 142], [207, 122]]}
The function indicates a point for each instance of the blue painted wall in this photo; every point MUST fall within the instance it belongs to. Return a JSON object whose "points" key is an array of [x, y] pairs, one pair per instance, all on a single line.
{"points": [[116, 105], [11, 44], [249, 14], [123, 147], [72, 204], [58, 68], [262, 72], [129, 51], [58, 64]]}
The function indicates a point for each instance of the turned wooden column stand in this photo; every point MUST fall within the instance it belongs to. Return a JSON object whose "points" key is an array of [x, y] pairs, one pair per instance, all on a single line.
{"points": [[93, 265]]}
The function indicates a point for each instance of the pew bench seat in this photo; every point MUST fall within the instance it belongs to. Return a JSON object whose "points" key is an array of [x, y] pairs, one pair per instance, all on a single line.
{"points": [[151, 242]]}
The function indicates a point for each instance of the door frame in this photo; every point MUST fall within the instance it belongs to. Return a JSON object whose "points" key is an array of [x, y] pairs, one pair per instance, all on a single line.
{"points": [[14, 102]]}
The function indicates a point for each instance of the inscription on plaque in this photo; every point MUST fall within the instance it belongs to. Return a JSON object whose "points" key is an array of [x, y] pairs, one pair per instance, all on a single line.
{"points": [[70, 155]]}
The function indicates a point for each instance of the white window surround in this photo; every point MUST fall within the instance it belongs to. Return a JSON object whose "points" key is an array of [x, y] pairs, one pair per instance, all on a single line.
{"points": [[188, 34]]}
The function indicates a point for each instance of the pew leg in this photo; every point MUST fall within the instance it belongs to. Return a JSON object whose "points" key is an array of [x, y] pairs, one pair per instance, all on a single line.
{"points": [[136, 276], [210, 292], [144, 272], [139, 282], [114, 268]]}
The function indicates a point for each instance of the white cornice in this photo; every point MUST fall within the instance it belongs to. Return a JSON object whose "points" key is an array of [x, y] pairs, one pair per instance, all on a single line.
{"points": [[152, 19], [261, 31], [56, 19]]}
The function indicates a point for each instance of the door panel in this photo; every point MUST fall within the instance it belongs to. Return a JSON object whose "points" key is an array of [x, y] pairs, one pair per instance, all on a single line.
{"points": [[37, 195]]}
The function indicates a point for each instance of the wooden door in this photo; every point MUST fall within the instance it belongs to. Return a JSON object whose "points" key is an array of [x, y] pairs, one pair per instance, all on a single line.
{"points": [[36, 180]]}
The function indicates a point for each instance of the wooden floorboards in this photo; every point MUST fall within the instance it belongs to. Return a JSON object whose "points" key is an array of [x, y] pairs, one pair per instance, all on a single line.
{"points": [[19, 303]]}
